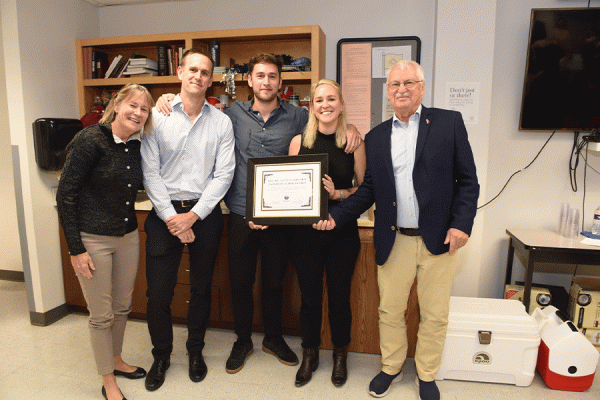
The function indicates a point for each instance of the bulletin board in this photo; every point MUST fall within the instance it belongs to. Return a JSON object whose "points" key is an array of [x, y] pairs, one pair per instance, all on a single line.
{"points": [[362, 65]]}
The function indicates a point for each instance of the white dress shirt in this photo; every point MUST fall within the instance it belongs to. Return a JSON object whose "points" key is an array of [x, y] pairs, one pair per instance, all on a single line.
{"points": [[404, 145], [185, 160]]}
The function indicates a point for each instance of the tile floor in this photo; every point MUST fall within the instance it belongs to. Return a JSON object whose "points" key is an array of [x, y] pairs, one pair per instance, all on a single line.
{"points": [[55, 362]]}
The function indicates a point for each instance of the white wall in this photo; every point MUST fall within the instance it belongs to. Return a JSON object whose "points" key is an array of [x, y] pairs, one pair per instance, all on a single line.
{"points": [[10, 258], [39, 57], [338, 19]]}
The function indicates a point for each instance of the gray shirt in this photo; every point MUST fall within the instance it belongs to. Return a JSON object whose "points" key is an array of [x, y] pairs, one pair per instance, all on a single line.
{"points": [[256, 138]]}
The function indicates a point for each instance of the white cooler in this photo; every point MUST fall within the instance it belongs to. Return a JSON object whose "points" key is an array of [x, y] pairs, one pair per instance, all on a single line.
{"points": [[490, 340]]}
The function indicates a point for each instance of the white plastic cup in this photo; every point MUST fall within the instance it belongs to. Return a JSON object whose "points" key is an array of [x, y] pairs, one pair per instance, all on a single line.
{"points": [[574, 222], [563, 218], [224, 99]]}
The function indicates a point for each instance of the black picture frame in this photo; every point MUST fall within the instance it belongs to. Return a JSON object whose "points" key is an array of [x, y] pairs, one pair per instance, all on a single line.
{"points": [[266, 174]]}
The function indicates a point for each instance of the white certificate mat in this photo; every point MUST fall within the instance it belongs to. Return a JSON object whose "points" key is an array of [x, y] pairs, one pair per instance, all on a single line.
{"points": [[286, 190]]}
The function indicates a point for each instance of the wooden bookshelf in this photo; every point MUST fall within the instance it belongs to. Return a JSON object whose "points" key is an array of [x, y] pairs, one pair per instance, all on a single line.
{"points": [[235, 44]]}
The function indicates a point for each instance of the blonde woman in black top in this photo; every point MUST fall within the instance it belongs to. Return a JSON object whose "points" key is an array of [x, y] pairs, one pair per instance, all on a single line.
{"points": [[333, 253], [96, 196]]}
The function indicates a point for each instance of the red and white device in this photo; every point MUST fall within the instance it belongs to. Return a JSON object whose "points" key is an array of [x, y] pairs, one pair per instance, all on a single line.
{"points": [[566, 359]]}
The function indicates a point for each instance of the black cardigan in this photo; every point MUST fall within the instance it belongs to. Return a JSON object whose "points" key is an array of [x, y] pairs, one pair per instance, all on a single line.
{"points": [[98, 186]]}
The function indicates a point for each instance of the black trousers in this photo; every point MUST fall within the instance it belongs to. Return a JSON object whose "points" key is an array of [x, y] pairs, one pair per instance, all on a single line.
{"points": [[316, 253], [163, 256], [243, 247]]}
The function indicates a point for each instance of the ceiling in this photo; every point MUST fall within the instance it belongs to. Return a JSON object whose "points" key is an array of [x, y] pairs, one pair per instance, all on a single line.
{"points": [[104, 3]]}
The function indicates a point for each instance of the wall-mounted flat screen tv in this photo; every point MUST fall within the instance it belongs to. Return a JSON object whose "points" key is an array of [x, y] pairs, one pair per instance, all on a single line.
{"points": [[562, 77]]}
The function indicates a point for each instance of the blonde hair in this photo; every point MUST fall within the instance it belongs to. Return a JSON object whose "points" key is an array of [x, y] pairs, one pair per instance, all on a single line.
{"points": [[127, 91], [310, 132]]}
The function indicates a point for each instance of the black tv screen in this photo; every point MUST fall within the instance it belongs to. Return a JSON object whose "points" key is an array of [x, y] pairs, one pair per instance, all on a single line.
{"points": [[562, 78]]}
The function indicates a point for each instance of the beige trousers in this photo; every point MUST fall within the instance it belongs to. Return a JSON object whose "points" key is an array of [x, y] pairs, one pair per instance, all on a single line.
{"points": [[409, 258], [108, 293]]}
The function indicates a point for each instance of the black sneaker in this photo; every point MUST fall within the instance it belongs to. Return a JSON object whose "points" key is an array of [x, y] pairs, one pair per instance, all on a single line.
{"points": [[380, 385], [279, 348], [239, 353]]}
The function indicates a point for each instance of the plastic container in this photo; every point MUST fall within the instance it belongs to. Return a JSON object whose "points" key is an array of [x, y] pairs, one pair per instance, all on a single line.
{"points": [[489, 340]]}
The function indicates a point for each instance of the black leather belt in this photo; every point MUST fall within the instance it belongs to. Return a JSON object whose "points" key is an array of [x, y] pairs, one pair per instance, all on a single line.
{"points": [[409, 231], [184, 203]]}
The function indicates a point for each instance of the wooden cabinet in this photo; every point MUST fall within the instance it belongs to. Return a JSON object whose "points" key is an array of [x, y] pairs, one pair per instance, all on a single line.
{"points": [[364, 296], [238, 45]]}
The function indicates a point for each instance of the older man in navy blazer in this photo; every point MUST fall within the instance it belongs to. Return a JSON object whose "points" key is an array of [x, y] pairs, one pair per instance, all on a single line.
{"points": [[421, 175]]}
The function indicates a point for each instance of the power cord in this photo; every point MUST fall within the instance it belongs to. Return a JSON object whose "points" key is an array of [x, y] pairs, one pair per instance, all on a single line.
{"points": [[515, 173]]}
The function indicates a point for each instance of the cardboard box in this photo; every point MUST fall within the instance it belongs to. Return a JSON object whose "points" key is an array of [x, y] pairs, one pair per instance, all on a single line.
{"points": [[584, 302], [489, 340], [593, 335], [540, 297]]}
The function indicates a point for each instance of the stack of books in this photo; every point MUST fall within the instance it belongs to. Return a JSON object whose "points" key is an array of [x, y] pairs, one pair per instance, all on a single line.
{"points": [[141, 67]]}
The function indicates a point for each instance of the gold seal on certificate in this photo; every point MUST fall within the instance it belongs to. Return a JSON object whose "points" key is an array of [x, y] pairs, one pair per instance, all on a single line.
{"points": [[286, 190]]}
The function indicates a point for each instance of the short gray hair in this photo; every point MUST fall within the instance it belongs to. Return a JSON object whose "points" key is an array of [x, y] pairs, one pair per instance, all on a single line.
{"points": [[403, 64]]}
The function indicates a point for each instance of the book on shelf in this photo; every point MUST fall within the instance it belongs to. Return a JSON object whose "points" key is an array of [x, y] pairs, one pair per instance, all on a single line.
{"points": [[119, 68], [144, 62], [140, 70], [99, 64], [112, 66], [87, 63], [163, 59]]}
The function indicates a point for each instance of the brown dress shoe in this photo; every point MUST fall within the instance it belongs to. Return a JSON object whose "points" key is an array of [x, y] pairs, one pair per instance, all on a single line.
{"points": [[310, 363], [340, 372]]}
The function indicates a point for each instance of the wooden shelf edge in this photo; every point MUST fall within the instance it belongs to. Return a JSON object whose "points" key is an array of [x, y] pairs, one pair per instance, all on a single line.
{"points": [[153, 80]]}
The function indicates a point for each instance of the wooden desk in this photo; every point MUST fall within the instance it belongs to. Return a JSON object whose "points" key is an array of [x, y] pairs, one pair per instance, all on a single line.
{"points": [[539, 245]]}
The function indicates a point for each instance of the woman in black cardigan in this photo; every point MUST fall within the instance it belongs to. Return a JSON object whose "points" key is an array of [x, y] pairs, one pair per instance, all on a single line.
{"points": [[96, 196]]}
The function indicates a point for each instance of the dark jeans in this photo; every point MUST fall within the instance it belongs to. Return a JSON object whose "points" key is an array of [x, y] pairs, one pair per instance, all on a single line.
{"points": [[316, 253], [243, 247], [163, 256]]}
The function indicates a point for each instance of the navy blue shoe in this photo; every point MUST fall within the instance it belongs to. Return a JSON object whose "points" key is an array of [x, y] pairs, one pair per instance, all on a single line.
{"points": [[380, 385], [428, 390]]}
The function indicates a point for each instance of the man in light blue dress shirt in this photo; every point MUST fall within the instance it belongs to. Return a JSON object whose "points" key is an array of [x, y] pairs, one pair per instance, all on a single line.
{"points": [[188, 163]]}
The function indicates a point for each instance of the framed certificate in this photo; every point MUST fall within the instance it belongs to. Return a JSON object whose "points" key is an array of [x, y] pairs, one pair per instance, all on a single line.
{"points": [[287, 190]]}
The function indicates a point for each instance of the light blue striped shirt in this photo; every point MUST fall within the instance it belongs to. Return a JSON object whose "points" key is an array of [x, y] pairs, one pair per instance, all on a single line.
{"points": [[184, 160], [404, 145]]}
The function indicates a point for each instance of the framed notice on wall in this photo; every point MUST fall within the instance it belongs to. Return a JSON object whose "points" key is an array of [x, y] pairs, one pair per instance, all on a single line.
{"points": [[362, 65]]}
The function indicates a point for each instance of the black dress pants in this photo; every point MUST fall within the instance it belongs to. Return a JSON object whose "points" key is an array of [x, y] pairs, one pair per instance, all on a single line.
{"points": [[244, 244], [331, 253], [163, 256]]}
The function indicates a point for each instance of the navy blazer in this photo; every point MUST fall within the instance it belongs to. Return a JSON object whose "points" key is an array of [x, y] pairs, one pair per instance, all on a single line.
{"points": [[444, 179]]}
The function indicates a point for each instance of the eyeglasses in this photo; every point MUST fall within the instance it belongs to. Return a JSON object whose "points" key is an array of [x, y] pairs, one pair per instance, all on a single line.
{"points": [[409, 84]]}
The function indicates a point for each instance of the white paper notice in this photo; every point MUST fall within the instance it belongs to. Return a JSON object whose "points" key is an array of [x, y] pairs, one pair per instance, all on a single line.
{"points": [[464, 97], [385, 57]]}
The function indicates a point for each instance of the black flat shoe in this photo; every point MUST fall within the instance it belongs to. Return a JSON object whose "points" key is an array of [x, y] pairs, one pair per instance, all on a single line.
{"points": [[139, 373], [106, 397]]}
